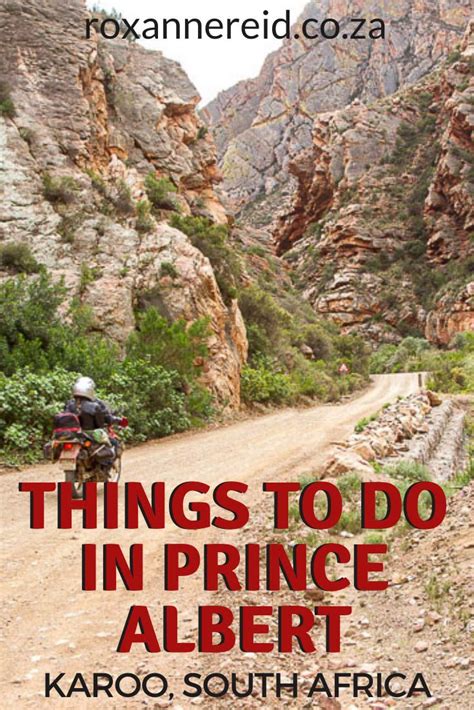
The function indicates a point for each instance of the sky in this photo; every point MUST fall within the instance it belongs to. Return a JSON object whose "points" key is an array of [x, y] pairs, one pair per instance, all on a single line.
{"points": [[212, 65]]}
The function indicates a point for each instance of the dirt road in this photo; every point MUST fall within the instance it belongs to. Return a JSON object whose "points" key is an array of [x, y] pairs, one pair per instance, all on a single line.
{"points": [[50, 625]]}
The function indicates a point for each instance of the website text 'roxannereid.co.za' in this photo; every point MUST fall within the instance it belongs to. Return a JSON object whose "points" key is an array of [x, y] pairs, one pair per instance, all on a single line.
{"points": [[266, 27]]}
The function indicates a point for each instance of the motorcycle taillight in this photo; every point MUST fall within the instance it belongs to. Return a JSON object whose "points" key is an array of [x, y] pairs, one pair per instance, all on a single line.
{"points": [[68, 446]]}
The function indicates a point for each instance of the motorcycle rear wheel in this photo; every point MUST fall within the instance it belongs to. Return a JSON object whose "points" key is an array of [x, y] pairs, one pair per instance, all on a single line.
{"points": [[77, 488], [116, 470]]}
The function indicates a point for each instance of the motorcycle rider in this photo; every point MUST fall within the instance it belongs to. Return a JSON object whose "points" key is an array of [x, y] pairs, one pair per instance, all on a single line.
{"points": [[93, 413]]}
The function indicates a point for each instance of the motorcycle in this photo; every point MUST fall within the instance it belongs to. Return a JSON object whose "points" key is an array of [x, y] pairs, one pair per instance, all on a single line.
{"points": [[86, 455]]}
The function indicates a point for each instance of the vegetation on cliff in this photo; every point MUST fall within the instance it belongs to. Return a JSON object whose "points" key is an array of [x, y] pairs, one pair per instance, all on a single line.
{"points": [[43, 349], [292, 354]]}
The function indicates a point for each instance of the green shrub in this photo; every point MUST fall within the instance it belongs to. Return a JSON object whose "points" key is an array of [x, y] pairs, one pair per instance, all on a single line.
{"points": [[28, 309], [258, 341], [89, 274], [350, 521], [98, 182], [363, 423], [200, 405], [159, 192], [7, 107], [414, 249], [309, 379], [410, 136], [17, 257], [147, 394], [123, 199], [28, 402], [68, 227], [406, 141], [306, 379], [380, 358], [175, 346], [350, 485], [66, 232], [61, 190], [450, 371], [34, 335], [212, 241], [377, 263], [354, 352], [315, 229], [266, 320], [453, 56], [407, 355], [144, 222], [374, 539], [264, 384], [408, 471], [327, 274], [348, 194], [77, 347], [424, 99], [463, 341], [277, 330], [257, 251], [317, 337], [168, 269], [453, 373]]}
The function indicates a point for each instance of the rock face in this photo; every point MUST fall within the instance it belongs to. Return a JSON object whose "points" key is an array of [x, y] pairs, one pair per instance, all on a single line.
{"points": [[261, 125], [419, 429], [383, 212], [453, 313], [360, 164], [92, 119], [449, 205]]}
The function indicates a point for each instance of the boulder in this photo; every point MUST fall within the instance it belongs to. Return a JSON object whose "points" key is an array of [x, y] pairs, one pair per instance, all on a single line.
{"points": [[364, 450], [347, 461], [434, 398]]}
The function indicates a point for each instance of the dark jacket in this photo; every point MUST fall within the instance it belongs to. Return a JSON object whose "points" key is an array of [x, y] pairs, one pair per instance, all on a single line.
{"points": [[93, 414]]}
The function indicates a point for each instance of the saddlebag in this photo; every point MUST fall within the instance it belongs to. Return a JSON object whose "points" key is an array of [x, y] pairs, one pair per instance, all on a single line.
{"points": [[105, 455], [66, 422]]}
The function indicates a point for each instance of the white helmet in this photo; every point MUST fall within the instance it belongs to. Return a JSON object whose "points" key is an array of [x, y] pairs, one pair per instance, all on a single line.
{"points": [[84, 387]]}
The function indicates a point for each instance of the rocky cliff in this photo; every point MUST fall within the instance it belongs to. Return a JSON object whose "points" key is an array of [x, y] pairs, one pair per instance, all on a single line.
{"points": [[262, 124], [382, 218], [360, 165], [88, 120]]}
